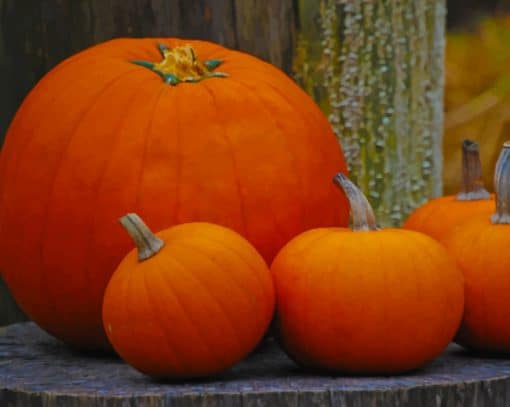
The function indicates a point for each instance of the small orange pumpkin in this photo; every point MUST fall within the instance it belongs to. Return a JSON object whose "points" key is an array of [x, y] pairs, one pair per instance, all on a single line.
{"points": [[366, 300], [188, 302], [482, 249], [439, 216]]}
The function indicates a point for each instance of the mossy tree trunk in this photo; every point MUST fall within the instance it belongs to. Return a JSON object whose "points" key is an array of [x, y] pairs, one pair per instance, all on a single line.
{"points": [[375, 67]]}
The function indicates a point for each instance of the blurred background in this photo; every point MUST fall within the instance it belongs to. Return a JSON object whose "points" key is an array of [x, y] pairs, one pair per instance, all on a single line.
{"points": [[477, 94]]}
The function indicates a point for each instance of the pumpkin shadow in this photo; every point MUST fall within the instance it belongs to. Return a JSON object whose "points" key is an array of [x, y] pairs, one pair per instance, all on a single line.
{"points": [[69, 355], [58, 347], [480, 354], [267, 362], [315, 372]]}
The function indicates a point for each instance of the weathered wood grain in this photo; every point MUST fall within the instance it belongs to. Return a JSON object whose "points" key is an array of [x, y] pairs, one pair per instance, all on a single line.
{"points": [[271, 34], [36, 370]]}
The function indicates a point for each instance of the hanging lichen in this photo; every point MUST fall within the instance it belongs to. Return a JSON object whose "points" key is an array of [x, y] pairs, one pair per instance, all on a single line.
{"points": [[376, 69]]}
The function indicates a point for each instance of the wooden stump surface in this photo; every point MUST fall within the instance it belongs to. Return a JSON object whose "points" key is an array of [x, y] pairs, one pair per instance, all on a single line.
{"points": [[37, 370]]}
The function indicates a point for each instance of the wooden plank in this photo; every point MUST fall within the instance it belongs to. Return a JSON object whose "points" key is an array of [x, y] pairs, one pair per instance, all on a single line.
{"points": [[266, 28], [21, 59], [212, 20]]}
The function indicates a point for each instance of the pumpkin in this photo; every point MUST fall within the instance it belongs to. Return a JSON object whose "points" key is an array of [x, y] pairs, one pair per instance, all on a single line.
{"points": [[178, 137], [481, 248], [366, 301], [439, 216], [190, 301]]}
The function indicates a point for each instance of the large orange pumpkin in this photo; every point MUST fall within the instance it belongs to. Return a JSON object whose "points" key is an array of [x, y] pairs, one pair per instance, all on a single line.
{"points": [[188, 302], [174, 139], [481, 247], [366, 301], [441, 215]]}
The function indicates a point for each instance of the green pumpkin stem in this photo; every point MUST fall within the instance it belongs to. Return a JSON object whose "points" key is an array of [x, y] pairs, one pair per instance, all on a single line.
{"points": [[145, 64], [502, 187], [163, 49], [212, 63], [147, 243], [181, 64], [362, 214], [472, 183]]}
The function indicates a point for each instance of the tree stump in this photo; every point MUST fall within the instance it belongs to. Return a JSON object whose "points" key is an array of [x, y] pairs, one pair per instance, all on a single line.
{"points": [[37, 370]]}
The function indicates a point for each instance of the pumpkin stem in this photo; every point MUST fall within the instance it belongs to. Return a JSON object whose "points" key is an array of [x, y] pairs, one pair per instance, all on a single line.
{"points": [[147, 243], [502, 187], [181, 64], [472, 184], [362, 215]]}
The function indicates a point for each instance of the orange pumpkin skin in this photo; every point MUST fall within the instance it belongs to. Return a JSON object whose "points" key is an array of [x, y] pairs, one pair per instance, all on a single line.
{"points": [[366, 302], [480, 247], [482, 251], [100, 136], [440, 216], [194, 309]]}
